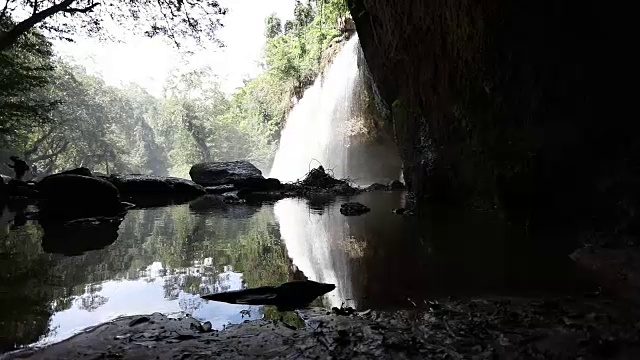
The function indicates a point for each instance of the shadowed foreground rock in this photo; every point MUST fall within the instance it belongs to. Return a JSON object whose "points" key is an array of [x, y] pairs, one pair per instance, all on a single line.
{"points": [[288, 296], [500, 328], [70, 196]]}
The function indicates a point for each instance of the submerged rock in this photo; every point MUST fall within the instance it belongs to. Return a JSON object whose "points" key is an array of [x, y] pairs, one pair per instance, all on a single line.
{"points": [[288, 296], [69, 196], [353, 209], [240, 172]]}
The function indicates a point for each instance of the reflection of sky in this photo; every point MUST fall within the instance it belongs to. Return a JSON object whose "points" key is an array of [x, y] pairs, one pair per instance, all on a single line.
{"points": [[145, 296]]}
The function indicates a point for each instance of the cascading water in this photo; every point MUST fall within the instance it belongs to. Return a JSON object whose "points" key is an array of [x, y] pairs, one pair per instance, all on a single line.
{"points": [[317, 127]]}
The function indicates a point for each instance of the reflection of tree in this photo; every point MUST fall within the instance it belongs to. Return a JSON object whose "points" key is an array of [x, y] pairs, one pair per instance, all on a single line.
{"points": [[193, 250], [91, 302], [190, 304]]}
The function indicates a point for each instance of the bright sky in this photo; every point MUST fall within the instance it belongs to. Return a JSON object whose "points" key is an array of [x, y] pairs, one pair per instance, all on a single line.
{"points": [[149, 61]]}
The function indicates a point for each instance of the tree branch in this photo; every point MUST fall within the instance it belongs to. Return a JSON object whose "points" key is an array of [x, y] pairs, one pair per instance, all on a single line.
{"points": [[4, 9], [55, 153], [10, 37], [38, 142], [81, 10]]}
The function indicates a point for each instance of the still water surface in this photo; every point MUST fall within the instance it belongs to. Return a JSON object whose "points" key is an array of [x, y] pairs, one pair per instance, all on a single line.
{"points": [[164, 258]]}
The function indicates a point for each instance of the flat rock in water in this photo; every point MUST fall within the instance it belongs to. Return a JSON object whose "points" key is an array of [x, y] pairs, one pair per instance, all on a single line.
{"points": [[353, 209], [288, 296], [224, 172]]}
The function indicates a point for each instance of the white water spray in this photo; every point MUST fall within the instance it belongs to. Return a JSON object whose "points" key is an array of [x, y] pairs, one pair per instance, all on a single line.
{"points": [[317, 128]]}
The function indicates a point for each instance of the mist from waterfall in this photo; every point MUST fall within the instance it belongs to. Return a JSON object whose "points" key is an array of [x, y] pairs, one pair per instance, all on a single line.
{"points": [[317, 128]]}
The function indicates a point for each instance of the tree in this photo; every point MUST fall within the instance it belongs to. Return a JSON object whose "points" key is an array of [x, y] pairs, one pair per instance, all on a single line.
{"points": [[303, 14], [174, 19], [24, 73], [273, 26], [288, 26]]}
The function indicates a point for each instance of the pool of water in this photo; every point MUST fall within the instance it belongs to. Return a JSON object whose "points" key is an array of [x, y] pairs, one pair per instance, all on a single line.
{"points": [[163, 259]]}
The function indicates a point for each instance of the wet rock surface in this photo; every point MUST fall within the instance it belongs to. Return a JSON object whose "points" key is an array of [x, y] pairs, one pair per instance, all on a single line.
{"points": [[496, 328], [226, 172], [353, 209]]}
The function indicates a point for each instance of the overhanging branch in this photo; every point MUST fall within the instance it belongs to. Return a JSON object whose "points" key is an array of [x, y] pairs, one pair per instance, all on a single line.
{"points": [[81, 10], [10, 37]]}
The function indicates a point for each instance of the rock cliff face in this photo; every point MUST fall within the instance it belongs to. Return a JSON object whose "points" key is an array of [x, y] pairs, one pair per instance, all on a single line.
{"points": [[510, 105]]}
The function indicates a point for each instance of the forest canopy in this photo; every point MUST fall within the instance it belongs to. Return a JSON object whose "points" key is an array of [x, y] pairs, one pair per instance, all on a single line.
{"points": [[175, 19], [57, 115]]}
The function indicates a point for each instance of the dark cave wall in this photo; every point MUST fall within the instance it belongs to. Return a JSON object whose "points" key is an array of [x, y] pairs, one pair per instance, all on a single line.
{"points": [[513, 105]]}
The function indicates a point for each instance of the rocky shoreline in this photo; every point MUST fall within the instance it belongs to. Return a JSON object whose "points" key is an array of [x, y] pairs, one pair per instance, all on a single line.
{"points": [[589, 327]]}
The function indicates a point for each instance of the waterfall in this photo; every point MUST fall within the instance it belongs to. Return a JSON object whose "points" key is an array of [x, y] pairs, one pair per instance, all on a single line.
{"points": [[316, 129]]}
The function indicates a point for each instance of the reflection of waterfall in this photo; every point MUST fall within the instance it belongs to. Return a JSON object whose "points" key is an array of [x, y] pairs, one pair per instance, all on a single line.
{"points": [[313, 242], [318, 124]]}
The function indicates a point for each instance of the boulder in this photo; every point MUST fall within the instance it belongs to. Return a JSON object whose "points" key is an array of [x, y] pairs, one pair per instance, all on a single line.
{"points": [[353, 209], [240, 172], [154, 185], [396, 185], [150, 190], [78, 171], [69, 196]]}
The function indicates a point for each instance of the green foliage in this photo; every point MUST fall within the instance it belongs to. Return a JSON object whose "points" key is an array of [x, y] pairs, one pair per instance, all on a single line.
{"points": [[294, 57], [23, 74], [57, 116], [273, 26], [174, 19]]}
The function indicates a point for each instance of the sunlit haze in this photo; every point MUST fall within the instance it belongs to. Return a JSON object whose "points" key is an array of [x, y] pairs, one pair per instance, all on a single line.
{"points": [[147, 62]]}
